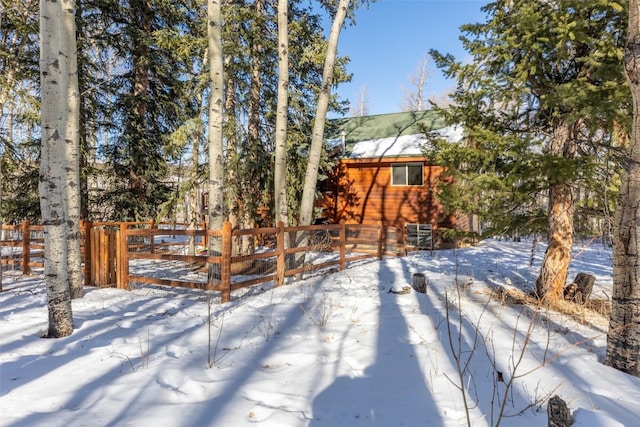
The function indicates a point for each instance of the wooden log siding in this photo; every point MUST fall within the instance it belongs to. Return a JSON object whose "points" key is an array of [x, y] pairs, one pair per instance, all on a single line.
{"points": [[360, 191]]}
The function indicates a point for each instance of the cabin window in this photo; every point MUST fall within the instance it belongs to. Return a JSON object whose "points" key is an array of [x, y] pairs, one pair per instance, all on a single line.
{"points": [[406, 174]]}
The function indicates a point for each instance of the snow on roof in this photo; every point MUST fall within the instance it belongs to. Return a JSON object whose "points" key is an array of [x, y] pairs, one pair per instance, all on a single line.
{"points": [[403, 145], [451, 133]]}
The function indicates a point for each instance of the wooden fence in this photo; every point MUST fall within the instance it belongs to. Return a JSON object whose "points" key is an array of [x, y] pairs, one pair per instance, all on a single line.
{"points": [[22, 246], [122, 254]]}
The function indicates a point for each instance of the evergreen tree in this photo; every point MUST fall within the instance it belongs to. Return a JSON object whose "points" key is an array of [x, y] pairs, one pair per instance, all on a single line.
{"points": [[149, 106], [251, 34], [539, 103], [19, 109], [143, 106], [623, 338]]}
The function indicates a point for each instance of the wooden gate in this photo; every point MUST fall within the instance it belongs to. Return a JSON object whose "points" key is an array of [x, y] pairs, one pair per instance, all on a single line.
{"points": [[104, 256]]}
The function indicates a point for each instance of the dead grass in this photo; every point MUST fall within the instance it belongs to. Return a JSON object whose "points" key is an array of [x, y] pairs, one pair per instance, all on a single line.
{"points": [[593, 312]]}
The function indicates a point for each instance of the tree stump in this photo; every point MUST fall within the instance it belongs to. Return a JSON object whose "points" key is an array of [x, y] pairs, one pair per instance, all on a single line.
{"points": [[558, 412], [419, 283], [580, 290]]}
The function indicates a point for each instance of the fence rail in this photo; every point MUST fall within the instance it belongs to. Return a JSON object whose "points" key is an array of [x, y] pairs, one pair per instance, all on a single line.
{"points": [[121, 254], [22, 245]]}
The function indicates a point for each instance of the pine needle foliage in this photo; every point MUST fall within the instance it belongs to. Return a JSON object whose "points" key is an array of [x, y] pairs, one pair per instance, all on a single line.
{"points": [[536, 68]]}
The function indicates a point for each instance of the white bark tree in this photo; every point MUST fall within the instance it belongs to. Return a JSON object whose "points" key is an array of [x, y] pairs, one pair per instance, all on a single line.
{"points": [[216, 79], [57, 47], [317, 137], [216, 102], [414, 98], [280, 172], [72, 149], [1, 219], [361, 107], [623, 338]]}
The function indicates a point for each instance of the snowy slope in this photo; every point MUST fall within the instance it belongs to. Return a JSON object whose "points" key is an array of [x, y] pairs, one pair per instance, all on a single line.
{"points": [[334, 350]]}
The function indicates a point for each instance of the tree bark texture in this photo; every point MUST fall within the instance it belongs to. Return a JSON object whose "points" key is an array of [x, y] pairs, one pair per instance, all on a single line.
{"points": [[142, 14], [317, 137], [72, 152], [623, 338], [280, 171], [216, 80], [54, 71], [555, 265]]}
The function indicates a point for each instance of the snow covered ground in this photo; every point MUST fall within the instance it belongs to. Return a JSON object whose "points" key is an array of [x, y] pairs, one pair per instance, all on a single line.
{"points": [[333, 350]]}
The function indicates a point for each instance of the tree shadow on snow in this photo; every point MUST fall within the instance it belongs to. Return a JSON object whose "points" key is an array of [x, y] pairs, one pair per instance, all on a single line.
{"points": [[393, 390]]}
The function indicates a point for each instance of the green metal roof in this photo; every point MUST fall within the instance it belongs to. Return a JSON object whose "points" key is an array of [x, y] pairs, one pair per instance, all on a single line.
{"points": [[363, 128]]}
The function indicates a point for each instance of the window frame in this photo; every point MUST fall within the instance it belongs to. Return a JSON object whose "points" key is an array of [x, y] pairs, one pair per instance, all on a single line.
{"points": [[406, 166]]}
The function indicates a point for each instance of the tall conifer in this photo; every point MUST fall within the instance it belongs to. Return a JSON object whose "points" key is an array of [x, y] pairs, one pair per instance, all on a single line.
{"points": [[538, 101]]}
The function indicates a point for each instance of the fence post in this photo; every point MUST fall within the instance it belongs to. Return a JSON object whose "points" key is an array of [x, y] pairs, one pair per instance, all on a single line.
{"points": [[280, 262], [26, 251], [104, 240], [343, 245], [225, 267], [122, 256], [205, 236], [86, 227], [152, 225], [380, 234]]}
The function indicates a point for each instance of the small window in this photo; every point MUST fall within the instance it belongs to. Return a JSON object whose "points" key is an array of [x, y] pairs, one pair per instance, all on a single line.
{"points": [[406, 174]]}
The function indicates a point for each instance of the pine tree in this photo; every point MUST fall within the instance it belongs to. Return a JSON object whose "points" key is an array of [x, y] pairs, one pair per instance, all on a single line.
{"points": [[545, 85], [142, 79], [19, 109], [149, 105], [251, 35]]}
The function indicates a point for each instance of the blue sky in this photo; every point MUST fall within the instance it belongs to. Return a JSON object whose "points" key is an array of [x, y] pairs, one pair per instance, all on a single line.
{"points": [[391, 38]]}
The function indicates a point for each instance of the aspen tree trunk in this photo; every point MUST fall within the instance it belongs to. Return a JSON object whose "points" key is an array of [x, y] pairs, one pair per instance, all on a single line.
{"points": [[280, 171], [193, 195], [72, 151], [1, 218], [233, 199], [54, 68], [555, 265], [623, 339], [216, 163], [317, 138], [251, 200], [86, 126]]}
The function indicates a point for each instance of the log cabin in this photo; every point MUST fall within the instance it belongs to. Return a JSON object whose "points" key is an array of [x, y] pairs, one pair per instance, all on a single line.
{"points": [[382, 175]]}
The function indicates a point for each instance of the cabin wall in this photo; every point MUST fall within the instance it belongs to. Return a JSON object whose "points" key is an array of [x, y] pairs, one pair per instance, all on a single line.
{"points": [[361, 192]]}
